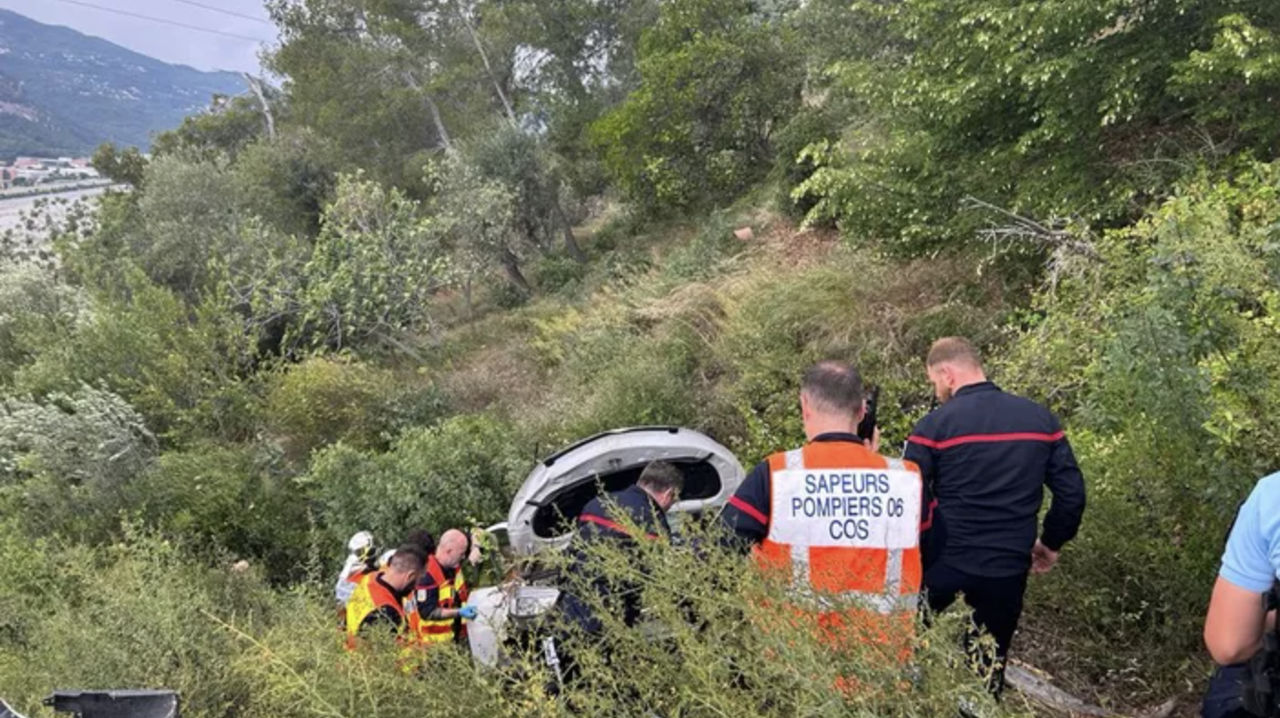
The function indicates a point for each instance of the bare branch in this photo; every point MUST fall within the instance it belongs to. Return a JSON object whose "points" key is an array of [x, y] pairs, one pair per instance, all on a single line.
{"points": [[255, 85], [1054, 234]]}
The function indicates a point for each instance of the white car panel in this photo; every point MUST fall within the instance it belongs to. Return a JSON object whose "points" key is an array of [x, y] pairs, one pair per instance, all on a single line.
{"points": [[612, 452]]}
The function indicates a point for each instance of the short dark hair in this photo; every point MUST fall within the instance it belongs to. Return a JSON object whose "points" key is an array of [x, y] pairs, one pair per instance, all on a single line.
{"points": [[660, 476], [408, 558], [423, 540], [954, 349], [833, 386]]}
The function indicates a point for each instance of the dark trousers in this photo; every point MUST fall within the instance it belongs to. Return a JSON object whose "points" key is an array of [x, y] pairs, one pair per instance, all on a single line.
{"points": [[1225, 696], [996, 604]]}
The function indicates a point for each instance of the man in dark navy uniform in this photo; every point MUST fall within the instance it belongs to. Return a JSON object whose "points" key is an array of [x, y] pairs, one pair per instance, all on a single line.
{"points": [[986, 457], [636, 513], [627, 517]]}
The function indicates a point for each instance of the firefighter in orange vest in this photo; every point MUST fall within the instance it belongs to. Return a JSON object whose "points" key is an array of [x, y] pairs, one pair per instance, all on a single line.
{"points": [[376, 603], [842, 521], [438, 607]]}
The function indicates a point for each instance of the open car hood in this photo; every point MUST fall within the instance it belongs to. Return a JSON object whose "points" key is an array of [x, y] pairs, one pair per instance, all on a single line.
{"points": [[544, 509]]}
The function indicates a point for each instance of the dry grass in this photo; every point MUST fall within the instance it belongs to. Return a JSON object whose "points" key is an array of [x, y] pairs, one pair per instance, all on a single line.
{"points": [[494, 376]]}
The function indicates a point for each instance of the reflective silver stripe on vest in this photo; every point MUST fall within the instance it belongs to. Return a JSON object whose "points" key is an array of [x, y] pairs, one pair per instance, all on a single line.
{"points": [[893, 564], [893, 573], [794, 460], [799, 565], [881, 603], [885, 604]]}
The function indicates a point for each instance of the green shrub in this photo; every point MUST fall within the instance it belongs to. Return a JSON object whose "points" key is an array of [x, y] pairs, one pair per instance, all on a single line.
{"points": [[286, 182], [372, 271], [232, 646], [792, 166], [626, 264], [731, 640], [465, 469], [195, 228], [67, 460], [179, 366], [508, 296], [647, 382], [35, 308], [557, 273], [1051, 111], [694, 131], [1163, 358], [139, 615], [234, 501], [324, 400], [620, 226]]}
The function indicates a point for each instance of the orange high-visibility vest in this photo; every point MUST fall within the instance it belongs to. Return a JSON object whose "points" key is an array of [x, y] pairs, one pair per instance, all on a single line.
{"points": [[845, 522], [369, 596], [453, 594]]}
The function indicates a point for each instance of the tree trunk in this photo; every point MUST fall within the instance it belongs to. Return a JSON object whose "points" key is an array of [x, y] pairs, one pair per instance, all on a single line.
{"points": [[511, 265], [570, 241], [432, 109], [255, 86], [488, 68], [435, 117]]}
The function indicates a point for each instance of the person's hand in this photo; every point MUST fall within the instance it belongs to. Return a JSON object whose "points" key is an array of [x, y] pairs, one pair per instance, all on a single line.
{"points": [[467, 612], [1042, 558], [874, 442]]}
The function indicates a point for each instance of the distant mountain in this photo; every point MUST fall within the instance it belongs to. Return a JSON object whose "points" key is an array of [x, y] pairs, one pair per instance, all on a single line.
{"points": [[64, 93]]}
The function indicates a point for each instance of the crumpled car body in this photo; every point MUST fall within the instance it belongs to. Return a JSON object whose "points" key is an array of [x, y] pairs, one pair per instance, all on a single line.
{"points": [[543, 514]]}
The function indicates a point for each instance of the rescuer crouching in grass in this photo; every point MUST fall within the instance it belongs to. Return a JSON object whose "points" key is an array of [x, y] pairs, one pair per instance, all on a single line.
{"points": [[377, 601], [437, 609]]}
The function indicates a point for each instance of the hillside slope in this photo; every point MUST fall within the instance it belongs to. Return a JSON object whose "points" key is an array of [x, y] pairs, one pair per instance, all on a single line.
{"points": [[63, 92]]}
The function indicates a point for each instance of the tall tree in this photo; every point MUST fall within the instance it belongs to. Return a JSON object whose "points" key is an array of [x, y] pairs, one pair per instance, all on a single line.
{"points": [[1076, 109], [718, 80], [353, 80], [375, 265]]}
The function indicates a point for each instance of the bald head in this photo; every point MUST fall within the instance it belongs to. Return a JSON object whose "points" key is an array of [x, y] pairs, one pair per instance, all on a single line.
{"points": [[953, 363], [451, 547]]}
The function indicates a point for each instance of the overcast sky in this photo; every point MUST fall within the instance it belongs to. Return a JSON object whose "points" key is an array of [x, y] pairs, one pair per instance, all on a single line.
{"points": [[201, 50]]}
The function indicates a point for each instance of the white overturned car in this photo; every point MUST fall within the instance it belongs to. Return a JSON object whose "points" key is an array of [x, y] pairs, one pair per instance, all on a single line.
{"points": [[544, 510]]}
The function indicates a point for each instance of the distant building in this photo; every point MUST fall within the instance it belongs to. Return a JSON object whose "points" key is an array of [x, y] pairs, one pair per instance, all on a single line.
{"points": [[30, 176], [29, 171]]}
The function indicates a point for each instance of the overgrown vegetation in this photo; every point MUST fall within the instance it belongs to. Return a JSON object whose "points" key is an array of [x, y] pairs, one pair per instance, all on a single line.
{"points": [[234, 646], [476, 232]]}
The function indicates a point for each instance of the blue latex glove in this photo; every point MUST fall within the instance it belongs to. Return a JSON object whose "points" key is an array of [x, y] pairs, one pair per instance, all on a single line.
{"points": [[467, 612]]}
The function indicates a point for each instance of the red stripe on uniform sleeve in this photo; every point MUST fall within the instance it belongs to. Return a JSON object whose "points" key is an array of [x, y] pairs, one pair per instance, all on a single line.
{"points": [[602, 521], [749, 510], [998, 438], [927, 522], [915, 439]]}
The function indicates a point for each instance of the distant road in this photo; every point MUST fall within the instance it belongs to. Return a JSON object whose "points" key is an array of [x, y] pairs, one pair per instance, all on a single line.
{"points": [[11, 209]]}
